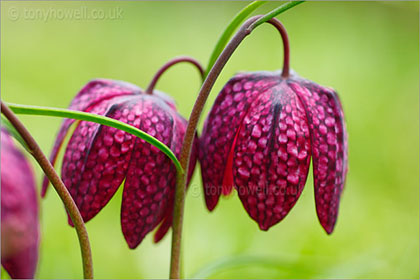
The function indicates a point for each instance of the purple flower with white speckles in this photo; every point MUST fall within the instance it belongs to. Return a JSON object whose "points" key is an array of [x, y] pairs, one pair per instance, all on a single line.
{"points": [[19, 212], [99, 158], [259, 138]]}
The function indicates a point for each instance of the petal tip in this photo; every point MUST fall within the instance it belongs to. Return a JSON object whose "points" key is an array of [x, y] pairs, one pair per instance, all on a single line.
{"points": [[157, 238], [163, 229], [211, 204], [131, 245], [132, 240], [44, 189], [69, 221], [263, 227], [328, 228]]}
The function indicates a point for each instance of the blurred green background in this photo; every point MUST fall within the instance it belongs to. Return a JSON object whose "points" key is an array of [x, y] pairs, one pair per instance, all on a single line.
{"points": [[368, 51]]}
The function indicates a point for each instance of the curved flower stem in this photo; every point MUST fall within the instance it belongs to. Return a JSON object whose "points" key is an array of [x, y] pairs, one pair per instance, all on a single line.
{"points": [[178, 213], [59, 186], [286, 49], [170, 63]]}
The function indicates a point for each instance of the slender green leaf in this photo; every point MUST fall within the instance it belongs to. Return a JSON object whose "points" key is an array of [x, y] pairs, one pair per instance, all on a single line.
{"points": [[277, 11], [230, 29], [83, 116], [9, 127]]}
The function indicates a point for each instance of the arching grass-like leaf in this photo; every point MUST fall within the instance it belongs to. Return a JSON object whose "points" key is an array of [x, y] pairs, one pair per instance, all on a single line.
{"points": [[83, 116]]}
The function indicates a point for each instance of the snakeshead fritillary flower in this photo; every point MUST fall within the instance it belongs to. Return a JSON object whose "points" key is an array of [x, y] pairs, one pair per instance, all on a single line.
{"points": [[98, 158], [259, 137], [19, 212]]}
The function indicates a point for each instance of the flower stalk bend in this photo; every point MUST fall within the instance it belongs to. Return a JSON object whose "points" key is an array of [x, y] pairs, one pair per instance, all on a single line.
{"points": [[246, 29], [59, 186], [171, 63]]}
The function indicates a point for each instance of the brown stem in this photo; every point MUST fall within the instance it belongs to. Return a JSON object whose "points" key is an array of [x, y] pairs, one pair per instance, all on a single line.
{"points": [[59, 186], [170, 63], [178, 213]]}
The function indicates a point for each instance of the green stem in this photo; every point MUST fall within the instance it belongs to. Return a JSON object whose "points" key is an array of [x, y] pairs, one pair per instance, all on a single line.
{"points": [[83, 116], [230, 29], [59, 186], [246, 29]]}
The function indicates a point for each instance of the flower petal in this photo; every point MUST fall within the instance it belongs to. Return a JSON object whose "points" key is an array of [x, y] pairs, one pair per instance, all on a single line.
{"points": [[180, 128], [150, 176], [272, 155], [98, 90], [96, 158], [165, 225], [23, 264], [19, 212], [65, 125], [220, 129], [166, 98], [89, 96], [329, 147]]}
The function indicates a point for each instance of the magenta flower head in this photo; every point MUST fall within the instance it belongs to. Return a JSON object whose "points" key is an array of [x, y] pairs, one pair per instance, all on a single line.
{"points": [[99, 158], [19, 212], [259, 137]]}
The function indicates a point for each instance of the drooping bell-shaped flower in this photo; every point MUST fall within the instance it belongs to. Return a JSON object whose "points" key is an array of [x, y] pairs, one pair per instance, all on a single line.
{"points": [[19, 212], [259, 137], [99, 158]]}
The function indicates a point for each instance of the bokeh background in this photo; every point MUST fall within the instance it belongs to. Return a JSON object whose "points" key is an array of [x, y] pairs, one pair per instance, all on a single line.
{"points": [[368, 51]]}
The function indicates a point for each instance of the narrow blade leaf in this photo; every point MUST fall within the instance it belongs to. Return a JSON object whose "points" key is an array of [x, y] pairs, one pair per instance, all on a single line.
{"points": [[83, 116]]}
